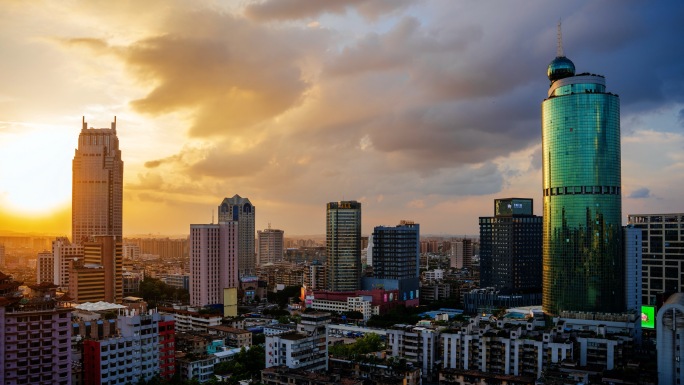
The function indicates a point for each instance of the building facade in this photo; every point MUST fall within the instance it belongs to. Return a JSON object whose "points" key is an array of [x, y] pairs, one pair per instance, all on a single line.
{"points": [[241, 210], [270, 246], [35, 337], [396, 260], [213, 261], [633, 268], [662, 253], [461, 254], [343, 245], [670, 340], [64, 253], [137, 352], [582, 239], [97, 184], [511, 247], [45, 265], [106, 251]]}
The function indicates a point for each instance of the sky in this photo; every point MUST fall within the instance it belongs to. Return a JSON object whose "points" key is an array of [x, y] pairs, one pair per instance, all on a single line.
{"points": [[421, 110]]}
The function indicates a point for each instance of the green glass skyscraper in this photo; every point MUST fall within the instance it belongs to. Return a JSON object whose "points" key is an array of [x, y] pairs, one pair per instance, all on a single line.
{"points": [[582, 234]]}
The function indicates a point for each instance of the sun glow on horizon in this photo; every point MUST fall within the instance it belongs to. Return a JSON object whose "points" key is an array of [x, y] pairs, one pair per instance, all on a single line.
{"points": [[35, 171]]}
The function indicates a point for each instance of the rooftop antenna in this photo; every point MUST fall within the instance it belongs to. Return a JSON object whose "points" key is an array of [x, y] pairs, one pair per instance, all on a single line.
{"points": [[212, 216], [559, 49]]}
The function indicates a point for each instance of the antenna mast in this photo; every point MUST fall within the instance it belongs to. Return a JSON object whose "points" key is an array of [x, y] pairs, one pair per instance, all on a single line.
{"points": [[559, 49]]}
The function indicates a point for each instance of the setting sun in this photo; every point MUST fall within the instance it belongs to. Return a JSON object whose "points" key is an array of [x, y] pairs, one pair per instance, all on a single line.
{"points": [[35, 171]]}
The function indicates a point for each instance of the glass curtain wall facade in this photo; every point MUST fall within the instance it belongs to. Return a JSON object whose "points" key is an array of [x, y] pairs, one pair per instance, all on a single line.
{"points": [[582, 239], [343, 245], [511, 247], [396, 251]]}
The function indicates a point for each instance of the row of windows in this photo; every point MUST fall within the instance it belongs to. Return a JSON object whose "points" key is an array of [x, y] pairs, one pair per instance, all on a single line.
{"points": [[612, 190]]}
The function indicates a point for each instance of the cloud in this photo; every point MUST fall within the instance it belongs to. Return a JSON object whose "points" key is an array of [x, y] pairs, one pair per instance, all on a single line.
{"points": [[640, 193], [437, 101], [94, 44], [301, 9], [231, 74]]}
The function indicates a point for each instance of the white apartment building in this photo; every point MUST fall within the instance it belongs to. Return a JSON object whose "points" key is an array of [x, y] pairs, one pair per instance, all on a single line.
{"points": [[129, 357], [504, 348], [297, 351], [433, 275], [418, 344], [213, 262], [304, 349], [361, 304]]}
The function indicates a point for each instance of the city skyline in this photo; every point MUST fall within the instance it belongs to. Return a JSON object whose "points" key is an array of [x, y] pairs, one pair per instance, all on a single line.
{"points": [[419, 110]]}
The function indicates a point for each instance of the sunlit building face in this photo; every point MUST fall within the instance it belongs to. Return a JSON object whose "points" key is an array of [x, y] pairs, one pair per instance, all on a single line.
{"points": [[97, 185]]}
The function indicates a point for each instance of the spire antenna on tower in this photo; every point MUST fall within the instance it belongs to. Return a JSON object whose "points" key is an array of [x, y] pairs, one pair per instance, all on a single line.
{"points": [[559, 49]]}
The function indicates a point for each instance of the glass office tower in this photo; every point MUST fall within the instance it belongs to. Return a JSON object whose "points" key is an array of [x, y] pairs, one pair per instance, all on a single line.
{"points": [[343, 245], [582, 253]]}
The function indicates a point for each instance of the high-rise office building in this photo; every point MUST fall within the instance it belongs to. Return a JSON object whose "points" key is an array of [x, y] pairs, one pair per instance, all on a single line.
{"points": [[97, 184], [461, 254], [662, 253], [270, 246], [511, 247], [396, 260], [582, 239], [343, 245], [242, 211], [213, 262]]}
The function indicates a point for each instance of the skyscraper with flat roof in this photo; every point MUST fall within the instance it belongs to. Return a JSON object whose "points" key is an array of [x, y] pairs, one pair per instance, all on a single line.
{"points": [[270, 246], [582, 231], [97, 184], [511, 247], [663, 253], [396, 260], [343, 245], [242, 211], [213, 261]]}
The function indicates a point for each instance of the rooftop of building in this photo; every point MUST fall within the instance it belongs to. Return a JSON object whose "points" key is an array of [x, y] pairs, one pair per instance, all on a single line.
{"points": [[293, 336], [228, 329], [98, 306]]}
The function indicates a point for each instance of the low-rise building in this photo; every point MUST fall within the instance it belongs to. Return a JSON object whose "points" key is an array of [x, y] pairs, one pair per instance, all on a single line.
{"points": [[191, 319], [283, 375], [232, 337]]}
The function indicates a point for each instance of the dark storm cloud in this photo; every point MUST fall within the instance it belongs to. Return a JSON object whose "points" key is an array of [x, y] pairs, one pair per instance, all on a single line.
{"points": [[301, 9]]}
